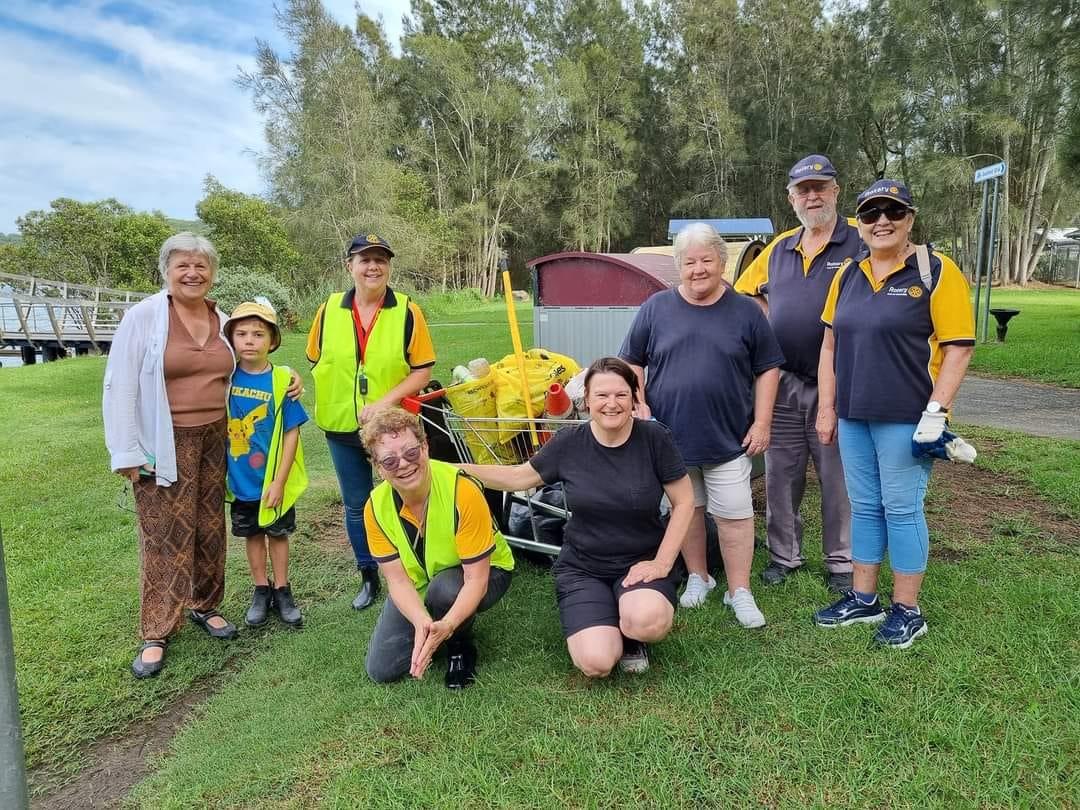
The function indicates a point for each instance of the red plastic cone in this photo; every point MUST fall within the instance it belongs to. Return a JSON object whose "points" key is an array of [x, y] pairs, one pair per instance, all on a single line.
{"points": [[557, 404]]}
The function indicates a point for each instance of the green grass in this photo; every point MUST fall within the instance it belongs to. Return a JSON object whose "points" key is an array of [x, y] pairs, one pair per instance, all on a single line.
{"points": [[1043, 343], [1052, 466], [981, 712]]}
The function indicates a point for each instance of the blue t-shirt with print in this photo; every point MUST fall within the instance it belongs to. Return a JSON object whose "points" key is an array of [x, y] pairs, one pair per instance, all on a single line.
{"points": [[251, 427]]}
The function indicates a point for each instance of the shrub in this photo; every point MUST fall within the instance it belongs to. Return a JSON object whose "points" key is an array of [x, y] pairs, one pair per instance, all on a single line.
{"points": [[238, 284]]}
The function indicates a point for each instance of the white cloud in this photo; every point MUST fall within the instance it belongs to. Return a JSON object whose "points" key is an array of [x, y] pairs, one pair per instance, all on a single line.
{"points": [[138, 107]]}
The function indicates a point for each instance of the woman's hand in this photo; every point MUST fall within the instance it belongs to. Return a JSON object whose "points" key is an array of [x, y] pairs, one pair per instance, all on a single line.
{"points": [[295, 389], [645, 571], [642, 411], [756, 439], [428, 638], [826, 425]]}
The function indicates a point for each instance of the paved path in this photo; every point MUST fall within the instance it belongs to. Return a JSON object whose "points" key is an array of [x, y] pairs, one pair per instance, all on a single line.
{"points": [[1041, 410]]}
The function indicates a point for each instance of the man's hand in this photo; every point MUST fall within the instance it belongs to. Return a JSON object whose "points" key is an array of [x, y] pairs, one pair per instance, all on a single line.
{"points": [[435, 633], [642, 411], [756, 439], [295, 389], [274, 495], [645, 571], [826, 425]]}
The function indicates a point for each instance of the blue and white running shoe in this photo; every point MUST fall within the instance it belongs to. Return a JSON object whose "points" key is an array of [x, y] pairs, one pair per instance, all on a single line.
{"points": [[903, 626], [849, 609]]}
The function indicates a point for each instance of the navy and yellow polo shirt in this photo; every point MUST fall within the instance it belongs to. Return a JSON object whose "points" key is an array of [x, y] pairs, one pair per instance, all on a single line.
{"points": [[797, 283], [889, 335]]}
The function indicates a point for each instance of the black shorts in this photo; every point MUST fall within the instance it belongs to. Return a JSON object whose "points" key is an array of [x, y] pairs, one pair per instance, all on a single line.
{"points": [[587, 600], [245, 521]]}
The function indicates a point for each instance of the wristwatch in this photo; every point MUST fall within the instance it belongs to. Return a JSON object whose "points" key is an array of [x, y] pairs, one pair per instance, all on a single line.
{"points": [[933, 406]]}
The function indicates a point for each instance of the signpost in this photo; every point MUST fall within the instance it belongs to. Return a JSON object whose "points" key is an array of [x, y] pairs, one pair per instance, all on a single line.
{"points": [[984, 259], [12, 767]]}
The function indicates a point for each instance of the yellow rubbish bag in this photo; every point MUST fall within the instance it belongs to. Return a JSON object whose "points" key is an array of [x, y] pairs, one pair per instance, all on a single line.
{"points": [[472, 401], [542, 368]]}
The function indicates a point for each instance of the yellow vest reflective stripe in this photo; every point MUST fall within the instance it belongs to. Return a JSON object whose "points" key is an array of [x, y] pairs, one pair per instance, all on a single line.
{"points": [[440, 550], [297, 481], [338, 397]]}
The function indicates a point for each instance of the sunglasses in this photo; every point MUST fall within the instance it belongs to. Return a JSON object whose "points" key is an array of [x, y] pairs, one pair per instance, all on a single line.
{"points": [[391, 463], [893, 213]]}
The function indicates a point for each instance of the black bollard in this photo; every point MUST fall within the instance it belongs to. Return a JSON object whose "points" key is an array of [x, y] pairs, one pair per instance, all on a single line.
{"points": [[29, 355], [1003, 316]]}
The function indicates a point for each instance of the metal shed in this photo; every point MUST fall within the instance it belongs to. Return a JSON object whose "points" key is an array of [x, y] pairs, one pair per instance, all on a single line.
{"points": [[583, 303]]}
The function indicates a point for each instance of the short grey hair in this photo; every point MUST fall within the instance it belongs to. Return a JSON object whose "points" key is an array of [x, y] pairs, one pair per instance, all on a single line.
{"points": [[700, 234], [187, 242]]}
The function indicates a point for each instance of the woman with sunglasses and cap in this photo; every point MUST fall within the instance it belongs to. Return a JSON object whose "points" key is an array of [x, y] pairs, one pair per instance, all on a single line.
{"points": [[369, 347], [431, 532], [899, 338]]}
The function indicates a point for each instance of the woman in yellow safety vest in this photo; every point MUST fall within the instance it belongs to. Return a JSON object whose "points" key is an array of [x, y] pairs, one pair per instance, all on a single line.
{"points": [[369, 347], [432, 534]]}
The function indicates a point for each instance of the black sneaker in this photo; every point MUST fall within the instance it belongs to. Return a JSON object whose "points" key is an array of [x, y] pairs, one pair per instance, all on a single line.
{"points": [[775, 573], [287, 610], [260, 606], [460, 664], [904, 625], [635, 656], [850, 609]]}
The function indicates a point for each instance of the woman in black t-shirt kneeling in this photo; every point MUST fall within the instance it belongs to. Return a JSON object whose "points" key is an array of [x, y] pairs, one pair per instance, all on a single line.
{"points": [[617, 574]]}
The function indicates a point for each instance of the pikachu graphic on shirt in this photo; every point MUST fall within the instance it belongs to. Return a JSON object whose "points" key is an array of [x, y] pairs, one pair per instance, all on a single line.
{"points": [[242, 429]]}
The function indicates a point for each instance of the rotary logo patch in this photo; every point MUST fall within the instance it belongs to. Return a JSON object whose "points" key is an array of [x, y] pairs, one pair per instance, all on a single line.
{"points": [[915, 291], [894, 190]]}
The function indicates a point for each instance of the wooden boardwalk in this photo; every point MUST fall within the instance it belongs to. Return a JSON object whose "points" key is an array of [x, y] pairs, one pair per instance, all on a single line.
{"points": [[56, 318]]}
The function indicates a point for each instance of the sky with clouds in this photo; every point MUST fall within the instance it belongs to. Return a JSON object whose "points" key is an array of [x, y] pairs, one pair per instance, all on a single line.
{"points": [[134, 99]]}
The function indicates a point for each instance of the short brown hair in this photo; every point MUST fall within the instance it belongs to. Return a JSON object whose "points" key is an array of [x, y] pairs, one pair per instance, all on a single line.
{"points": [[389, 421], [616, 366]]}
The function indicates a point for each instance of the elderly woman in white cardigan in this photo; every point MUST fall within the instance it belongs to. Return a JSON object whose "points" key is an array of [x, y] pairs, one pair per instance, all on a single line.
{"points": [[166, 385]]}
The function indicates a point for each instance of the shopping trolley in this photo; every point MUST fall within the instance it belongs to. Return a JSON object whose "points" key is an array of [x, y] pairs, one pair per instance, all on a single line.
{"points": [[493, 440]]}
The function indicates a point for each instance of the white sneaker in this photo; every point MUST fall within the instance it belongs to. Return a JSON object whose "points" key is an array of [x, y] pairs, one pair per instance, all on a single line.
{"points": [[696, 591], [746, 609]]}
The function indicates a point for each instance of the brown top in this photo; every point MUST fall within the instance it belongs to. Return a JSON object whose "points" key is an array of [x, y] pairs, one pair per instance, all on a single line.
{"points": [[196, 377]]}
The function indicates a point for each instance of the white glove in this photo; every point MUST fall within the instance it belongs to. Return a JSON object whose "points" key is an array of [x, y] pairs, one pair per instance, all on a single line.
{"points": [[930, 427], [959, 450]]}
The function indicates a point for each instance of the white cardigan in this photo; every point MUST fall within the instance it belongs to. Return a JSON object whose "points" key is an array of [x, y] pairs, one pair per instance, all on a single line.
{"points": [[135, 407]]}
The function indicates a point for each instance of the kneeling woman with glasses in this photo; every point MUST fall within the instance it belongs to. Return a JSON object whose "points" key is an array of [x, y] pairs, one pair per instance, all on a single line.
{"points": [[900, 336], [430, 530]]}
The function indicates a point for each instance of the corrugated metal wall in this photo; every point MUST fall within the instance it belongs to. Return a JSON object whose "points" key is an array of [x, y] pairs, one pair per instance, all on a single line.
{"points": [[584, 333]]}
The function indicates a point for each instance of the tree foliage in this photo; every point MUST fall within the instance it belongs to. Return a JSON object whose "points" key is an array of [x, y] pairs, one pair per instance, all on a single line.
{"points": [[104, 243], [247, 231]]}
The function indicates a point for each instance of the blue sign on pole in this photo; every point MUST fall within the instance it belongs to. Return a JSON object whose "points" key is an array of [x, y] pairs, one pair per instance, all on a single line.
{"points": [[990, 172]]}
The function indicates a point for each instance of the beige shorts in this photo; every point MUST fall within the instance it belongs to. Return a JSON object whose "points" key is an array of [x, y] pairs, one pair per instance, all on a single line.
{"points": [[724, 489]]}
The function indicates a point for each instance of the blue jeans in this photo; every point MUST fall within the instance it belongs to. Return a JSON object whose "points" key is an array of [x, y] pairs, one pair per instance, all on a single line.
{"points": [[886, 486], [354, 479]]}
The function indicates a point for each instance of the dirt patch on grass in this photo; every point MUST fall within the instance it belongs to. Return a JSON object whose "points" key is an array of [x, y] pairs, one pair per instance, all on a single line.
{"points": [[118, 763], [969, 507]]}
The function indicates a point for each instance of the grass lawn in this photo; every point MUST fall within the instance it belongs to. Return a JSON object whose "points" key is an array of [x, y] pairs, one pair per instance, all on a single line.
{"points": [[984, 711], [1043, 343]]}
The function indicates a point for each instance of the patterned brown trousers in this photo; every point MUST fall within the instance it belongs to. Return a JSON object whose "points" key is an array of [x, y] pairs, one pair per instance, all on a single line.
{"points": [[182, 533]]}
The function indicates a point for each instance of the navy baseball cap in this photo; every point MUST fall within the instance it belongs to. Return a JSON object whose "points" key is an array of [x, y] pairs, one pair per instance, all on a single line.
{"points": [[811, 167], [885, 190], [367, 241]]}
